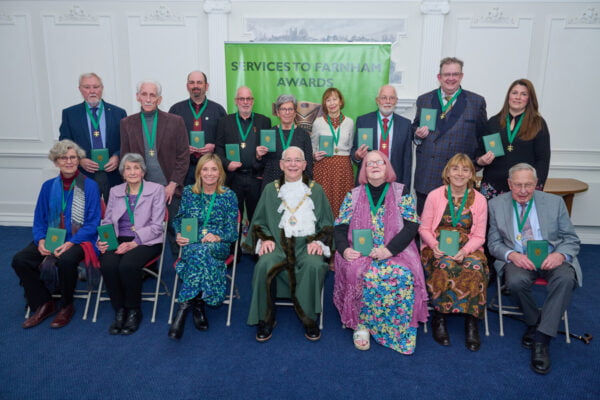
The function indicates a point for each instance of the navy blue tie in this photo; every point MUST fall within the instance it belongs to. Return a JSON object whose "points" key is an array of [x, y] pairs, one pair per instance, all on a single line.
{"points": [[96, 136]]}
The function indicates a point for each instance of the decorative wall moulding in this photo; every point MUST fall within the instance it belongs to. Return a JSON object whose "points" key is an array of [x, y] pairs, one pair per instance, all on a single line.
{"points": [[495, 18], [6, 19], [77, 16], [588, 19], [162, 16], [217, 6], [435, 7]]}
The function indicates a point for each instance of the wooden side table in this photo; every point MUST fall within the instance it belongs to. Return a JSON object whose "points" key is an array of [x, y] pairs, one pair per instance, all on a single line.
{"points": [[565, 187]]}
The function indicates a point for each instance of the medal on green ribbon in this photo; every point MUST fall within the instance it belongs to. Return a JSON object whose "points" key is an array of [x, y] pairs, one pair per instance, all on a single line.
{"points": [[285, 144], [243, 134], [521, 221], [95, 121], [446, 108], [197, 115], [207, 215], [336, 135], [384, 135], [150, 137], [512, 134], [455, 215], [128, 206], [375, 208]]}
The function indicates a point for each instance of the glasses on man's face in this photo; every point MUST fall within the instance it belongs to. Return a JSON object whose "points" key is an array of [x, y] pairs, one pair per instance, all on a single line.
{"points": [[287, 110], [451, 74], [244, 99], [293, 160], [374, 163], [388, 98], [69, 158], [521, 186]]}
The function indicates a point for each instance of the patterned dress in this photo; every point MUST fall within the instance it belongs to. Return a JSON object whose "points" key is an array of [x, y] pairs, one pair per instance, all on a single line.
{"points": [[201, 267], [456, 288], [388, 290]]}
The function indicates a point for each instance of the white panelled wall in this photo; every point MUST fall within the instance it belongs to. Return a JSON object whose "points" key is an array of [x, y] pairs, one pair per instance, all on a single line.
{"points": [[46, 45]]}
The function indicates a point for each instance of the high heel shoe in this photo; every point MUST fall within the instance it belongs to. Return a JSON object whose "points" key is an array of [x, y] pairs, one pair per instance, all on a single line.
{"points": [[176, 329]]}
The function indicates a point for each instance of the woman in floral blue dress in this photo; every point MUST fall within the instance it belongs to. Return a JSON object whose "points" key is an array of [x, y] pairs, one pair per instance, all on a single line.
{"points": [[201, 266], [382, 294]]}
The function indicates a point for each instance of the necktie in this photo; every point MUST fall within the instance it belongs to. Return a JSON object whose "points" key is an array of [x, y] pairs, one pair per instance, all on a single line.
{"points": [[96, 136], [447, 98], [527, 231], [197, 122], [385, 138]]}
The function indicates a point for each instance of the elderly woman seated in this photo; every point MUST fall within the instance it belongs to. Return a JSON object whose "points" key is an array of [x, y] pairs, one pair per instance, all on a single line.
{"points": [[136, 210], [381, 291], [67, 205]]}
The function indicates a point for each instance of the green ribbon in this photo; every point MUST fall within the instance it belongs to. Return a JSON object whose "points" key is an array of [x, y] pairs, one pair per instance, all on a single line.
{"points": [[199, 114], [151, 138], [513, 134], [449, 103], [455, 216], [63, 200], [285, 144], [210, 207], [375, 208], [128, 206], [239, 124], [336, 135], [95, 122], [384, 135], [521, 222]]}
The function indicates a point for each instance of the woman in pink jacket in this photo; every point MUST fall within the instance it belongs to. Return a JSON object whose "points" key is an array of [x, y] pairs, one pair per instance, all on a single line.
{"points": [[456, 282]]}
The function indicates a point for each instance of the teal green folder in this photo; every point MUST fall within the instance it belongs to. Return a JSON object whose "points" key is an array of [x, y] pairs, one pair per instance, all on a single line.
{"points": [[449, 241], [189, 229], [493, 143], [365, 136], [428, 118], [55, 237], [326, 145], [101, 157], [106, 233], [537, 251], [197, 139], [362, 241], [267, 139], [232, 152]]}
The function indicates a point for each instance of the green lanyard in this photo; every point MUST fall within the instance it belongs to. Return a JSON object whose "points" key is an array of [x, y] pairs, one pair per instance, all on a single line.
{"points": [[129, 210], [449, 103], [336, 135], [521, 222], [207, 215], [384, 135], [151, 138], [64, 201], [95, 122], [513, 134], [455, 217], [285, 144], [239, 124], [199, 114], [375, 208]]}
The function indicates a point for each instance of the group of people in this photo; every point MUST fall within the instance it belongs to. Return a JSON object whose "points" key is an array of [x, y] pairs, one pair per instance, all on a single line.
{"points": [[307, 211]]}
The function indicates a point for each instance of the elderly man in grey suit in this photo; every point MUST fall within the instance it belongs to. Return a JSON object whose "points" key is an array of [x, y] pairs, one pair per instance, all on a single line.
{"points": [[527, 214]]}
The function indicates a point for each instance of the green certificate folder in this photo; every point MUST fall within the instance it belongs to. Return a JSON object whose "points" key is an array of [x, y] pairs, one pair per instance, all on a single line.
{"points": [[365, 136], [362, 241], [449, 241], [189, 229], [267, 139], [326, 145], [428, 118], [537, 251], [197, 139], [493, 143], [232, 152], [101, 157], [106, 233], [55, 237]]}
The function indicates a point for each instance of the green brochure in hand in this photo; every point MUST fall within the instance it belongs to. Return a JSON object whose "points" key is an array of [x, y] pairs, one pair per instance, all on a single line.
{"points": [[537, 251], [106, 233], [362, 241], [267, 139], [365, 136], [189, 229], [197, 139], [55, 237], [232, 152], [493, 143], [101, 157], [428, 118], [449, 241], [326, 145]]}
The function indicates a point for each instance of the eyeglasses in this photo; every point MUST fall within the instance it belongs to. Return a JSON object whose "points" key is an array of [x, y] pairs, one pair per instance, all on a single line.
{"points": [[386, 98], [521, 186], [70, 158], [244, 99], [451, 74], [374, 163], [287, 110], [293, 160]]}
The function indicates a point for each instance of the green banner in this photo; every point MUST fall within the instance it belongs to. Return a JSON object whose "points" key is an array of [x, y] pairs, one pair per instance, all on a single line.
{"points": [[306, 70]]}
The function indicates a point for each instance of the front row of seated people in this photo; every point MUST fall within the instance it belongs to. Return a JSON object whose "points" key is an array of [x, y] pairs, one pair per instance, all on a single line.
{"points": [[383, 294]]}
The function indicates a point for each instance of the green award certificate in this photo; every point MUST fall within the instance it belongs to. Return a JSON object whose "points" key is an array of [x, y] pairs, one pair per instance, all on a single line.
{"points": [[537, 251], [55, 237], [267, 139], [365, 136], [493, 143], [106, 233], [326, 145], [232, 152], [428, 118], [449, 241], [101, 157], [362, 241], [197, 139], [189, 229]]}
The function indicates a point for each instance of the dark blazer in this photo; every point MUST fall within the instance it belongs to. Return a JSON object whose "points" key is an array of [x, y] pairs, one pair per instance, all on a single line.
{"points": [[171, 144], [401, 151], [459, 132], [75, 127], [210, 117]]}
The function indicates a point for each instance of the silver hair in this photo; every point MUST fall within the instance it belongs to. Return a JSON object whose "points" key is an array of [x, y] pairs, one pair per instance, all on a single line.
{"points": [[522, 167], [285, 98], [90, 75], [60, 149], [139, 85], [294, 148], [134, 158]]}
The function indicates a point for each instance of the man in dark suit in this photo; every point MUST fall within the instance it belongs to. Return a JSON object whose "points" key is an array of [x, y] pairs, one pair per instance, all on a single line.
{"points": [[461, 121], [243, 128], [94, 124], [199, 114], [526, 214], [161, 138], [391, 135]]}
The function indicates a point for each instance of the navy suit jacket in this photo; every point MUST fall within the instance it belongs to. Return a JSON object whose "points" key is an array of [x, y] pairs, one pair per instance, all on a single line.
{"points": [[75, 127], [401, 151]]}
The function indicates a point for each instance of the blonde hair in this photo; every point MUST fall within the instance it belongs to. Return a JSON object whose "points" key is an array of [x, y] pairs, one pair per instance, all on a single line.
{"points": [[197, 187], [459, 159]]}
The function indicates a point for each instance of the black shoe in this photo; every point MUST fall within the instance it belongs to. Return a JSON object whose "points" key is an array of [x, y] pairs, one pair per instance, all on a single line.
{"points": [[439, 330], [472, 340], [264, 331], [117, 325], [132, 323], [540, 358], [199, 314], [528, 337], [176, 329], [312, 332]]}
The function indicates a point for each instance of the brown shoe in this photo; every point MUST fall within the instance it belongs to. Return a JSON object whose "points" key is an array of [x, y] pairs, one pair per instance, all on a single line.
{"points": [[43, 312], [63, 317]]}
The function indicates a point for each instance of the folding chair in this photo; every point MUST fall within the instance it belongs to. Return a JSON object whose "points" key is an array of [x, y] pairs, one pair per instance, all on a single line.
{"points": [[288, 303], [146, 296], [79, 294]]}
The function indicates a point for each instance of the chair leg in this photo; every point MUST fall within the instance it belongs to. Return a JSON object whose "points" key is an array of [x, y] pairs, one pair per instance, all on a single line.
{"points": [[567, 332], [98, 299], [485, 319], [173, 299], [499, 289]]}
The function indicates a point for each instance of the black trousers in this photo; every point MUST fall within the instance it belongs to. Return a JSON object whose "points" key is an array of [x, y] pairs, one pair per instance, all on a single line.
{"points": [[173, 209], [247, 190], [26, 265], [122, 274], [421, 197]]}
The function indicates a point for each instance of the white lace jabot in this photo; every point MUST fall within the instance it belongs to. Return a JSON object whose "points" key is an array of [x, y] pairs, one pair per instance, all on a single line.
{"points": [[298, 217]]}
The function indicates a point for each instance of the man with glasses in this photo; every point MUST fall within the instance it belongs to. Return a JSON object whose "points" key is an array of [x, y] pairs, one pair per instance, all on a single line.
{"points": [[460, 122], [291, 232], [391, 135], [199, 114], [243, 128], [516, 218]]}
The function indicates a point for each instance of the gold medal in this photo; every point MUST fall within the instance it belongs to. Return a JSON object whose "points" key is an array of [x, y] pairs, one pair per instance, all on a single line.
{"points": [[442, 115], [133, 228], [196, 123], [509, 147], [204, 232], [243, 145], [384, 146], [96, 133], [519, 237], [336, 150], [293, 221], [151, 153]]}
